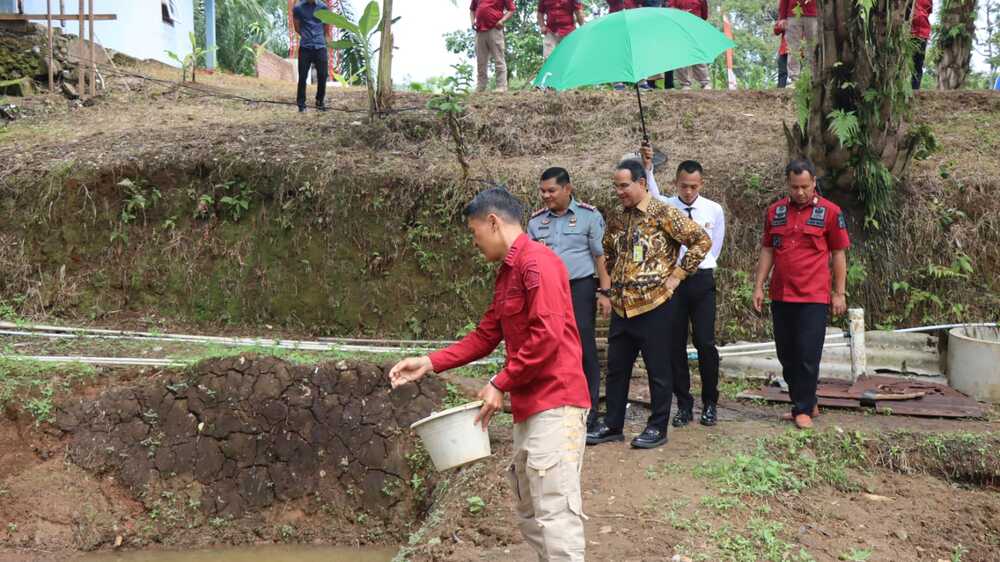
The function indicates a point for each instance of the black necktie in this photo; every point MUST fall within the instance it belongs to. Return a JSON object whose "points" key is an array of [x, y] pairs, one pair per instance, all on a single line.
{"points": [[689, 212]]}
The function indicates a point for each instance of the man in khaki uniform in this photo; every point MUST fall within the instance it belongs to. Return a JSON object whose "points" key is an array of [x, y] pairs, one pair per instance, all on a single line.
{"points": [[532, 312]]}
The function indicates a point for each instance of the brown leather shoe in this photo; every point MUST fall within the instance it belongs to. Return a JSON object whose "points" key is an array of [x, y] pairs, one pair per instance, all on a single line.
{"points": [[803, 421], [787, 416]]}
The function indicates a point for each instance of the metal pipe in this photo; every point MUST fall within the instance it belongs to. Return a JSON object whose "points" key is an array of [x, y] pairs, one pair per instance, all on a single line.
{"points": [[81, 69], [93, 52], [48, 13], [209, 34]]}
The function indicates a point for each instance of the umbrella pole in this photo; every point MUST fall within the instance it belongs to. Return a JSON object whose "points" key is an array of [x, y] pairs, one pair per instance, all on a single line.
{"points": [[642, 117]]}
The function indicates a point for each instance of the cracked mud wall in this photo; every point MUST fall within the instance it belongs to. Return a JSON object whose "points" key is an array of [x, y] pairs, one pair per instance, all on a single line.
{"points": [[243, 434]]}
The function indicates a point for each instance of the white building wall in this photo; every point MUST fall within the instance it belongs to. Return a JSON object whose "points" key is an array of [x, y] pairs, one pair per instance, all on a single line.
{"points": [[139, 31]]}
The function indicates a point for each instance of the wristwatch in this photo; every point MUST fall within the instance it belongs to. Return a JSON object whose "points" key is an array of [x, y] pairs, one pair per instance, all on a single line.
{"points": [[605, 292]]}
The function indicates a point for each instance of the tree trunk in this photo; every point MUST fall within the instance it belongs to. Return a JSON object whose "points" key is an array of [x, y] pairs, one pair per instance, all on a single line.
{"points": [[862, 72], [956, 33], [385, 59]]}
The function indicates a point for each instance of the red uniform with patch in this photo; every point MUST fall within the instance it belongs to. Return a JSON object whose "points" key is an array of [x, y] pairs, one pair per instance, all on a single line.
{"points": [[803, 239], [558, 14], [619, 5], [489, 12], [532, 312]]}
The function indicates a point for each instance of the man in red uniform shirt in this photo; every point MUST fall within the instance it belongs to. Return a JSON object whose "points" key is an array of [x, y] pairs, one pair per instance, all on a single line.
{"points": [[557, 19], [801, 232], [782, 57], [532, 312], [798, 19], [700, 71], [920, 29], [488, 19], [619, 5]]}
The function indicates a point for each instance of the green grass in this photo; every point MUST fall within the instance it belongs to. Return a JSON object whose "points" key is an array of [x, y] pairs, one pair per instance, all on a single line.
{"points": [[33, 385]]}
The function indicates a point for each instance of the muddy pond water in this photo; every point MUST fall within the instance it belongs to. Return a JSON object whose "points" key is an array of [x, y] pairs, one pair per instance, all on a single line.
{"points": [[249, 554]]}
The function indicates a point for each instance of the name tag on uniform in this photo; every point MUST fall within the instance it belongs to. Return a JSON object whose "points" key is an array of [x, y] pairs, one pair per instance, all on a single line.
{"points": [[818, 217], [637, 253]]}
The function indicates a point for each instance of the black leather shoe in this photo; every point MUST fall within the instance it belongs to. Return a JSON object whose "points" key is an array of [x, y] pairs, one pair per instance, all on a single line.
{"points": [[709, 415], [601, 433], [650, 439], [682, 418], [302, 109], [320, 107]]}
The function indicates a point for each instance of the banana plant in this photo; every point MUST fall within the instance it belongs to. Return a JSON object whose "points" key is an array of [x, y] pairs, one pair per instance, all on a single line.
{"points": [[357, 36]]}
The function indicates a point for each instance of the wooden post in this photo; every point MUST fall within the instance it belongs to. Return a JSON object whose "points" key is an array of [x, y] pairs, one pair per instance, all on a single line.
{"points": [[93, 52], [62, 12], [859, 359], [81, 70], [48, 8]]}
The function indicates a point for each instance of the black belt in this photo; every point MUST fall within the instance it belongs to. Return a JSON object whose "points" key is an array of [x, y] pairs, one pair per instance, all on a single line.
{"points": [[581, 280]]}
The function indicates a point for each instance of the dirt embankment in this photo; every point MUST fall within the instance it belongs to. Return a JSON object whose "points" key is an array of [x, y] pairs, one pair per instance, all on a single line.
{"points": [[236, 450], [174, 205]]}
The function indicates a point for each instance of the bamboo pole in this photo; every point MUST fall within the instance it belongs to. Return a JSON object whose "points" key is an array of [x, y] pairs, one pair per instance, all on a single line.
{"points": [[93, 52], [81, 70], [48, 8]]}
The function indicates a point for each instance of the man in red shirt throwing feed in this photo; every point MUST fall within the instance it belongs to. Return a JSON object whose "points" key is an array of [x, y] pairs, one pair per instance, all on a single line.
{"points": [[532, 312]]}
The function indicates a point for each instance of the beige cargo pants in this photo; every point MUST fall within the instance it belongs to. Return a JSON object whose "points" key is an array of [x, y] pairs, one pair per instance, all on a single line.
{"points": [[801, 36], [682, 76], [490, 45], [549, 43], [545, 477]]}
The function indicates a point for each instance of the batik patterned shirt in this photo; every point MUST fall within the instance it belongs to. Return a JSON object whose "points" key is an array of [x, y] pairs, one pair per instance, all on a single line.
{"points": [[641, 245]]}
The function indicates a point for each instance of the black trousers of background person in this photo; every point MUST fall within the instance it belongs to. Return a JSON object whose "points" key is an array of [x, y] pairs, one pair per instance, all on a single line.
{"points": [[783, 70], [919, 51], [308, 58], [799, 332], [583, 291], [627, 338], [694, 304]]}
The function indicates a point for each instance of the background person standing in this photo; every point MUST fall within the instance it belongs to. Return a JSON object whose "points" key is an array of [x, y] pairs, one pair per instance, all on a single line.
{"points": [[920, 30], [312, 50], [488, 19], [798, 19], [695, 301], [683, 76], [801, 233], [782, 57], [574, 231], [556, 20]]}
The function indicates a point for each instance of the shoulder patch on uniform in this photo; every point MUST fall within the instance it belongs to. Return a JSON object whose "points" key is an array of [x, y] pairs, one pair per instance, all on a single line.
{"points": [[587, 206], [780, 216], [841, 221], [539, 211], [531, 277], [818, 217]]}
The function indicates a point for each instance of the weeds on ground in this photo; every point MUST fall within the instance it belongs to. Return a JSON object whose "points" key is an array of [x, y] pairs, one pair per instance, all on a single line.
{"points": [[33, 385], [856, 555]]}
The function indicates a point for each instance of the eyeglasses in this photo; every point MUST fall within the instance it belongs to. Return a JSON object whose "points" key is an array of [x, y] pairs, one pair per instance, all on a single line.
{"points": [[621, 186]]}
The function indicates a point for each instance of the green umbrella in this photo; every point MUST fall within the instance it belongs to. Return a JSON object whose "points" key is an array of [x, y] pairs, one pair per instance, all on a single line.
{"points": [[630, 45]]}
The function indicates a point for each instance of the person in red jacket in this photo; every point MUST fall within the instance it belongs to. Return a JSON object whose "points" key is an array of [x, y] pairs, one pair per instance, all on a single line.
{"points": [[682, 76], [557, 19], [532, 313], [782, 57], [488, 19], [798, 19], [920, 29]]}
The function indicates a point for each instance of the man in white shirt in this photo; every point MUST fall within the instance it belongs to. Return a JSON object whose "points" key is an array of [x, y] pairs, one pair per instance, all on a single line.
{"points": [[695, 297]]}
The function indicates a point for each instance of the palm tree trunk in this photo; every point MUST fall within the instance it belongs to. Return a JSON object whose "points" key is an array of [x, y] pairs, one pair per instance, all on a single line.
{"points": [[956, 33]]}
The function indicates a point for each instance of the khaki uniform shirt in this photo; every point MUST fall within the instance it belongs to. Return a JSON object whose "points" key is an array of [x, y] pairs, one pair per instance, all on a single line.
{"points": [[641, 246]]}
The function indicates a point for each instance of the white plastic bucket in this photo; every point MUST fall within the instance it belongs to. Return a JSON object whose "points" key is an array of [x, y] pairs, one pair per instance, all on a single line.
{"points": [[452, 437]]}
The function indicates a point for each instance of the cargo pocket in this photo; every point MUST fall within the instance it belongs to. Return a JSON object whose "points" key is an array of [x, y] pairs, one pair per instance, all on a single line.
{"points": [[518, 486], [545, 475]]}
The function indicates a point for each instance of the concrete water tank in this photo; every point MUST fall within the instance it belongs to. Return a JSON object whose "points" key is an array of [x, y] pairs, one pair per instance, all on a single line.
{"points": [[974, 361]]}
